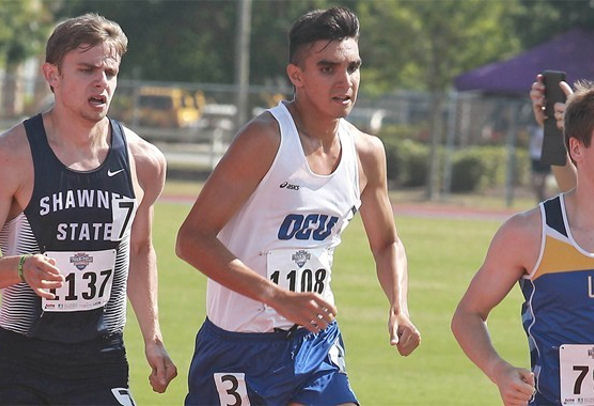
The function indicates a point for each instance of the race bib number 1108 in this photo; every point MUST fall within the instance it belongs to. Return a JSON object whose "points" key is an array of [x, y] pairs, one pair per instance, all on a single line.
{"points": [[301, 270]]}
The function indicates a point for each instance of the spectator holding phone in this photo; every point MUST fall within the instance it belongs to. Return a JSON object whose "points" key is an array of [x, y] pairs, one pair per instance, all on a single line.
{"points": [[565, 175]]}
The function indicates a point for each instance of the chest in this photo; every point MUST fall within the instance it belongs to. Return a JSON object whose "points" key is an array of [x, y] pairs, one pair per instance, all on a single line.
{"points": [[569, 291]]}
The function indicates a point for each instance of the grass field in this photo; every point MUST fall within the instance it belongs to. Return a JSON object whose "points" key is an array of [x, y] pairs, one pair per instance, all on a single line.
{"points": [[443, 255]]}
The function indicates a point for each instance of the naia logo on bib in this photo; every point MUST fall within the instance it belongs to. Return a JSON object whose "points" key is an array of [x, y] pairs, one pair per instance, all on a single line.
{"points": [[301, 257], [81, 260]]}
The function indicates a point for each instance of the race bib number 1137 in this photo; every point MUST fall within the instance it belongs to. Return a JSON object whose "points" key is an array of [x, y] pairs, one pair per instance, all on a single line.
{"points": [[88, 277]]}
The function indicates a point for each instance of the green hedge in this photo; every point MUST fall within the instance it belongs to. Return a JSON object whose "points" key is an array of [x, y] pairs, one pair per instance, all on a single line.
{"points": [[473, 169], [407, 162], [467, 172]]}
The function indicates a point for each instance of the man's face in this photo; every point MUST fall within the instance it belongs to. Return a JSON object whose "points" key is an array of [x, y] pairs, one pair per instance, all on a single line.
{"points": [[329, 76], [86, 81]]}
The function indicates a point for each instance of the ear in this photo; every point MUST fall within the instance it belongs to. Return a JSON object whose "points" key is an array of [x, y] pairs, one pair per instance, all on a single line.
{"points": [[51, 73], [295, 75], [576, 149]]}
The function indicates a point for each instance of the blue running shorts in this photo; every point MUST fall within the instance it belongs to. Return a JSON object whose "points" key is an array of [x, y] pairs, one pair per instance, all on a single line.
{"points": [[241, 369]]}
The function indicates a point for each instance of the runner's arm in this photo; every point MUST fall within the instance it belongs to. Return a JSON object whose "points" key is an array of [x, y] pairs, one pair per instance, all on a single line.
{"points": [[16, 184], [513, 250], [142, 278], [386, 246]]}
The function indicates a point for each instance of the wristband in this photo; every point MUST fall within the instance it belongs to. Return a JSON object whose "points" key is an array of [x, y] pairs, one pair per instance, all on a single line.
{"points": [[20, 269]]}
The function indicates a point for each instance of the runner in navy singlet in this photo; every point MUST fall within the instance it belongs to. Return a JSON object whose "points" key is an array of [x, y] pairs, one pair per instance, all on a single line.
{"points": [[76, 197]]}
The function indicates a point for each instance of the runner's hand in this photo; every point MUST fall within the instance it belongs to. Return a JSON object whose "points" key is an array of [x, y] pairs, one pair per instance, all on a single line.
{"points": [[305, 309], [403, 334], [41, 274], [516, 385], [163, 368]]}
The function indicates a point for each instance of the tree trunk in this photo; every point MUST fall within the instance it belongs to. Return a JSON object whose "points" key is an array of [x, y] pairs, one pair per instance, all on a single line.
{"points": [[12, 97]]}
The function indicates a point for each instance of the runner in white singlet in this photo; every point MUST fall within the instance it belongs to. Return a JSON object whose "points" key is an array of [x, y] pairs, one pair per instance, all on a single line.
{"points": [[265, 226]]}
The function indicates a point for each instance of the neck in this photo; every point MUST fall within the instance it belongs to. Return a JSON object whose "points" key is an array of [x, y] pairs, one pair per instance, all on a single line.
{"points": [[580, 205], [311, 124], [75, 131]]}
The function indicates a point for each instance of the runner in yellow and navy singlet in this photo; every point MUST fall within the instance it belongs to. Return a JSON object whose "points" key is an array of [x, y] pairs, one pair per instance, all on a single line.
{"points": [[549, 250], [558, 313]]}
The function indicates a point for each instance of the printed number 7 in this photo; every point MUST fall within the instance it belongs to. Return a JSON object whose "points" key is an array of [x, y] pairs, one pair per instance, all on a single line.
{"points": [[577, 387], [129, 206]]}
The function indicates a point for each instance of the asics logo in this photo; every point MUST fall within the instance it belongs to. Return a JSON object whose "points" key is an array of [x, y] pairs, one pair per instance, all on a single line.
{"points": [[110, 173], [287, 185]]}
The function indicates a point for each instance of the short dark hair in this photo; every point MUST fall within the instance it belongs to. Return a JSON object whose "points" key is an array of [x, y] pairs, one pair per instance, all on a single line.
{"points": [[90, 29], [333, 24], [579, 114]]}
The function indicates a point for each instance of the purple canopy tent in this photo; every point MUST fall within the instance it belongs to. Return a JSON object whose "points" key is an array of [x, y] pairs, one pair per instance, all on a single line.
{"points": [[572, 52]]}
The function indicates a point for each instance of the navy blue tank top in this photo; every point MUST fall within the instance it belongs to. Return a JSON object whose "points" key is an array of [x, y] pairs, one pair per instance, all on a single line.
{"points": [[83, 220]]}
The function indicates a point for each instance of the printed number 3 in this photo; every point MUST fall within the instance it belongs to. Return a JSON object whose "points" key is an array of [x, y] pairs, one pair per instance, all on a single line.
{"points": [[232, 389]]}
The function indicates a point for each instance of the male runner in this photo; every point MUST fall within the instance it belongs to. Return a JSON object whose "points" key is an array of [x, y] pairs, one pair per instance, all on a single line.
{"points": [[76, 202], [549, 250], [265, 226]]}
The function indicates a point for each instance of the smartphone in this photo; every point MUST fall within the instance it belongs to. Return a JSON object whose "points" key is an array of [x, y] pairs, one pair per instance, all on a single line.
{"points": [[553, 145]]}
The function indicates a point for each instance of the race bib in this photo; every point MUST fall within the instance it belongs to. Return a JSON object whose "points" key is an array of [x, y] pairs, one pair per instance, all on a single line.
{"points": [[301, 270], [232, 389], [88, 278], [576, 363]]}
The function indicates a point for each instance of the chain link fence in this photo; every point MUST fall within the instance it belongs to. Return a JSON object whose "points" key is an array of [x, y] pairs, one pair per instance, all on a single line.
{"points": [[193, 123]]}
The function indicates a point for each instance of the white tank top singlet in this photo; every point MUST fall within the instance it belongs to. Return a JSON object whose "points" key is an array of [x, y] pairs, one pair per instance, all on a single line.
{"points": [[288, 229]]}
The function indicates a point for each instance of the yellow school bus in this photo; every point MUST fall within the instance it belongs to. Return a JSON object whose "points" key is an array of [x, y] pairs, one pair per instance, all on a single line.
{"points": [[168, 107]]}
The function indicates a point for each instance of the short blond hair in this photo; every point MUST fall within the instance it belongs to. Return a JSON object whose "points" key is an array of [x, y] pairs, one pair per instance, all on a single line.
{"points": [[90, 29]]}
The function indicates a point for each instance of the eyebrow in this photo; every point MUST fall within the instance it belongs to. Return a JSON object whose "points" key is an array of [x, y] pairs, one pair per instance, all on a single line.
{"points": [[88, 65], [96, 66], [325, 62]]}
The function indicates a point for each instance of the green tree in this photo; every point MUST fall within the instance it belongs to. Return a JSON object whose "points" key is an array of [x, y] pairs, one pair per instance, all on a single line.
{"points": [[425, 44], [183, 41], [271, 22], [539, 21], [23, 30], [193, 41]]}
